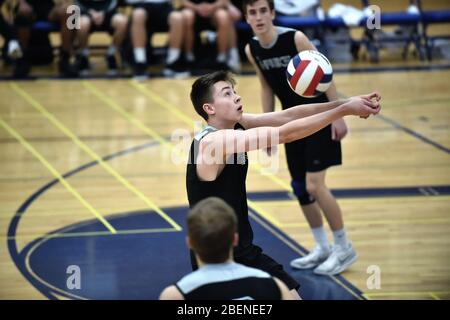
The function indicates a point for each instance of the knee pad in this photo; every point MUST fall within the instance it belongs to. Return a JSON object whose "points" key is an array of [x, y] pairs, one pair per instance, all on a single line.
{"points": [[299, 188]]}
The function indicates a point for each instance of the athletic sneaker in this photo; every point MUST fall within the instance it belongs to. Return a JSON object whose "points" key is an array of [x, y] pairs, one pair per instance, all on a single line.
{"points": [[66, 69], [21, 68], [177, 69], [234, 64], [340, 259], [140, 72], [111, 62], [312, 259], [83, 65]]}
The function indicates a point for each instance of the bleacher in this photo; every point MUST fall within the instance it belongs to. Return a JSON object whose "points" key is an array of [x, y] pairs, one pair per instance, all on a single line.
{"points": [[417, 24], [419, 37]]}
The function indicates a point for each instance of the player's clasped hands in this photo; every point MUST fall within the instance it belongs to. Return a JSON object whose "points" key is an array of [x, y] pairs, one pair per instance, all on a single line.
{"points": [[365, 105]]}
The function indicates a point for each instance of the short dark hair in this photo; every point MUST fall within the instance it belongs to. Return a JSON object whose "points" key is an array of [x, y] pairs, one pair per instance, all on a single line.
{"points": [[246, 3], [202, 91], [211, 226]]}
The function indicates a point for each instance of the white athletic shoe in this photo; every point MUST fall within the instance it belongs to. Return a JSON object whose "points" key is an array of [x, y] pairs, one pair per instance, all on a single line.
{"points": [[312, 259], [234, 63], [340, 259]]}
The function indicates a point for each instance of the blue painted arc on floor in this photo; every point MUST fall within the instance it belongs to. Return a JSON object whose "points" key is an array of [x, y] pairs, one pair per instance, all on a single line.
{"points": [[138, 263], [139, 266]]}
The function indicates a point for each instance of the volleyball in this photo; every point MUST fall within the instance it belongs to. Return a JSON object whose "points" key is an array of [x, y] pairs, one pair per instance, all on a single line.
{"points": [[309, 73]]}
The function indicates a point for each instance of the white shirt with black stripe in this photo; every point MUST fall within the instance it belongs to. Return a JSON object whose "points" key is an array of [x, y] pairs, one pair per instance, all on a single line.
{"points": [[228, 281]]}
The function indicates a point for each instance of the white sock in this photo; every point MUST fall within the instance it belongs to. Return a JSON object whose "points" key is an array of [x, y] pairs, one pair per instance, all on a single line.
{"points": [[340, 238], [84, 52], [112, 49], [233, 54], [172, 55], [14, 50], [190, 57], [321, 237], [221, 57], [140, 55]]}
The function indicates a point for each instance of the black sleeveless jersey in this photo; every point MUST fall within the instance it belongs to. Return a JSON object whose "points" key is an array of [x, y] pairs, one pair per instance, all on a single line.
{"points": [[228, 281], [272, 62], [229, 186]]}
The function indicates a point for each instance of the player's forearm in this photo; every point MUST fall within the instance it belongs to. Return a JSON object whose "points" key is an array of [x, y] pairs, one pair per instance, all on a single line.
{"points": [[307, 110], [303, 127]]}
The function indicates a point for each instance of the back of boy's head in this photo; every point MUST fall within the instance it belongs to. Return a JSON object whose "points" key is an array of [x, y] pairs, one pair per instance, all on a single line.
{"points": [[211, 225]]}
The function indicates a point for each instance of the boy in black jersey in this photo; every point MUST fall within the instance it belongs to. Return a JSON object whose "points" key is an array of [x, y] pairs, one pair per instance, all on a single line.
{"points": [[308, 159], [212, 234], [218, 162]]}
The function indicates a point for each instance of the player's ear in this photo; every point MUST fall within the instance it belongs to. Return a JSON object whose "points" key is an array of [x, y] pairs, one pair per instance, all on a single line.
{"points": [[188, 242], [235, 239], [209, 108]]}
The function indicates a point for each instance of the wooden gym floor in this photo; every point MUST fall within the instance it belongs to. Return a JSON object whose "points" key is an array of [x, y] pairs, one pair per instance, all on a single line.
{"points": [[49, 127]]}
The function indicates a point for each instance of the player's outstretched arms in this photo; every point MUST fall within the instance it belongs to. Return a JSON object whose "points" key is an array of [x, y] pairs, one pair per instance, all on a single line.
{"points": [[362, 106], [279, 118], [217, 146]]}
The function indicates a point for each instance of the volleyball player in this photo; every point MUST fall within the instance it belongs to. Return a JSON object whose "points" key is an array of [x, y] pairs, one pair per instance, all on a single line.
{"points": [[218, 161], [308, 159], [212, 233]]}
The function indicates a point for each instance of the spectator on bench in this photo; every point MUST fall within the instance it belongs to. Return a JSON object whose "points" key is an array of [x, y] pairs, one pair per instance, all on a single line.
{"points": [[200, 15], [30, 11], [8, 31], [100, 15], [149, 16]]}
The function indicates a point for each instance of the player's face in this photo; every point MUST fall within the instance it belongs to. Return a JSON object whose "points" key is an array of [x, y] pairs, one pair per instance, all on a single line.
{"points": [[259, 16], [227, 104]]}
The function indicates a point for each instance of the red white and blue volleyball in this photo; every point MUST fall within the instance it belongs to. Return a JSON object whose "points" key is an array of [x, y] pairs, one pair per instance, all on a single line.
{"points": [[309, 73]]}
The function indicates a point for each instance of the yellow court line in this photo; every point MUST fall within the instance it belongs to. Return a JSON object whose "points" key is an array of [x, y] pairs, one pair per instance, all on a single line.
{"points": [[92, 154], [57, 175], [111, 103], [97, 233], [434, 296]]}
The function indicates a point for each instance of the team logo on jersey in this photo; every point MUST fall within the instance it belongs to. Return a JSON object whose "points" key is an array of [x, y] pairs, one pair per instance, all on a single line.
{"points": [[274, 63]]}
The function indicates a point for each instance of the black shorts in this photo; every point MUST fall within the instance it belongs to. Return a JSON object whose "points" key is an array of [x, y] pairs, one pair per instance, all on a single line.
{"points": [[252, 256], [202, 23], [106, 24], [157, 16], [314, 153], [41, 12], [42, 9]]}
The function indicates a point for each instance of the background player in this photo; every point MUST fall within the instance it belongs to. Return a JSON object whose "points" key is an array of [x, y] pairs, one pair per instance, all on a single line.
{"points": [[308, 159]]}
